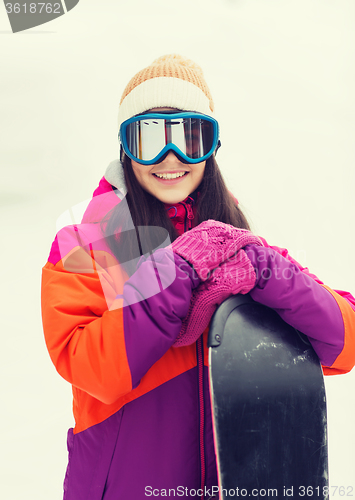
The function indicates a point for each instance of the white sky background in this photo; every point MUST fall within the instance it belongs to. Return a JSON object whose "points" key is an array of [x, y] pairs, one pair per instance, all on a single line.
{"points": [[282, 76]]}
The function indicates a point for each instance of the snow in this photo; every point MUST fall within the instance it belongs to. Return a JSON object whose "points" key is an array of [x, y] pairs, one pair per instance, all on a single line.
{"points": [[282, 76]]}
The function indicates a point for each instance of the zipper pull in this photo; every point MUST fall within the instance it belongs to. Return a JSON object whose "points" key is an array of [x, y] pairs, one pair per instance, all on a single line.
{"points": [[190, 212], [190, 215]]}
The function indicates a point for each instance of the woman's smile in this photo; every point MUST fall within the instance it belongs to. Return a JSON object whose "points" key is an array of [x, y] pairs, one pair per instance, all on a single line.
{"points": [[169, 176]]}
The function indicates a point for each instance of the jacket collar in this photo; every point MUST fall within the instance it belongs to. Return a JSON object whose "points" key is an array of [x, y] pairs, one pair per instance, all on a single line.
{"points": [[182, 214]]}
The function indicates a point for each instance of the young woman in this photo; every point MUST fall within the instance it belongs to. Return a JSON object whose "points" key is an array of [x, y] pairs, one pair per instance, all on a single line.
{"points": [[129, 292]]}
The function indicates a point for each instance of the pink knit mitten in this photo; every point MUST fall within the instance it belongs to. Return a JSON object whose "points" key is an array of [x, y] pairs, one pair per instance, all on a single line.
{"points": [[236, 275], [210, 243]]}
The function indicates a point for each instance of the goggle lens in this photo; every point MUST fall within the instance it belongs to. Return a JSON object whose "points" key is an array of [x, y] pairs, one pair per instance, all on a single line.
{"points": [[193, 137]]}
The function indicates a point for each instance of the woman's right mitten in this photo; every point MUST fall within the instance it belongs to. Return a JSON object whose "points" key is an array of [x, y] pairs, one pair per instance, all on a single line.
{"points": [[234, 276]]}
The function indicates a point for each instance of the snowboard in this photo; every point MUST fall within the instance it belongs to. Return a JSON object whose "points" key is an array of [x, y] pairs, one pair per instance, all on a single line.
{"points": [[268, 405]]}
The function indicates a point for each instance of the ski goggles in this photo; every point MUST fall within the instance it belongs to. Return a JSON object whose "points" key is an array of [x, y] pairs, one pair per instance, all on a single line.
{"points": [[147, 139]]}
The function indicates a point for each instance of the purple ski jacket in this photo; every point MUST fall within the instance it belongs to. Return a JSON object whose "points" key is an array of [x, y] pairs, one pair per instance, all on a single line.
{"points": [[142, 408]]}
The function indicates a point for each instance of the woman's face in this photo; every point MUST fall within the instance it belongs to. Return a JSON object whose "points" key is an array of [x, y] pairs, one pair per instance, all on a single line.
{"points": [[171, 181]]}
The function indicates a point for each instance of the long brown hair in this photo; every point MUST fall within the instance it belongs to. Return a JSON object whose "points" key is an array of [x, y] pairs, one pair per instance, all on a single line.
{"points": [[140, 208]]}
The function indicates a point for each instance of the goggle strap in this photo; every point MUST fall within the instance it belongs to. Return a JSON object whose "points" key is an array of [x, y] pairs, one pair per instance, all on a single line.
{"points": [[122, 153]]}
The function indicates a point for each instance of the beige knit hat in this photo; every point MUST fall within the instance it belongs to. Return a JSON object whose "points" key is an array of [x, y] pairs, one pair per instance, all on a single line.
{"points": [[170, 81]]}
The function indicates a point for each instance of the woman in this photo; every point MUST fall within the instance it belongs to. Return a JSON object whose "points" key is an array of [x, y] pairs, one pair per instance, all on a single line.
{"points": [[125, 312]]}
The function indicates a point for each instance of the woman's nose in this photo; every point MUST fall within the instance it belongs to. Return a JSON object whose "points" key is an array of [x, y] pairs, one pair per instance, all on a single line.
{"points": [[171, 157]]}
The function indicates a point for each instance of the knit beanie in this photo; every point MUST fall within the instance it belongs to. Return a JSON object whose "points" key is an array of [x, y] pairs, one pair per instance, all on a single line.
{"points": [[171, 81]]}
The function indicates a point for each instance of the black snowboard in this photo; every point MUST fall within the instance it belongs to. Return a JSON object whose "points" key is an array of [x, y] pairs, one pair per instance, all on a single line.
{"points": [[268, 404]]}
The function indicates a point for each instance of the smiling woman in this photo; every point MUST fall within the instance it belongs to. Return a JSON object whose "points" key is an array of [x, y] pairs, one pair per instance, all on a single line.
{"points": [[128, 295]]}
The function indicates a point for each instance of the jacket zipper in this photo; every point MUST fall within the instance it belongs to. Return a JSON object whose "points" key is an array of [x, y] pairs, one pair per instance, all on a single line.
{"points": [[201, 412], [199, 346], [200, 362]]}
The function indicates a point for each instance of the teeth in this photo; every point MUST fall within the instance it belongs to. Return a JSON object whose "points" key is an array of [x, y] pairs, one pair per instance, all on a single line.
{"points": [[170, 176]]}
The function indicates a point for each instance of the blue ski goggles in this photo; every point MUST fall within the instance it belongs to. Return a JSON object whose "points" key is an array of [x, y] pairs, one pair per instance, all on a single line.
{"points": [[147, 139]]}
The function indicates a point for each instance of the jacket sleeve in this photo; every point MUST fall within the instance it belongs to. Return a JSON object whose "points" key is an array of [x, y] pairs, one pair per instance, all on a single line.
{"points": [[303, 301], [104, 331]]}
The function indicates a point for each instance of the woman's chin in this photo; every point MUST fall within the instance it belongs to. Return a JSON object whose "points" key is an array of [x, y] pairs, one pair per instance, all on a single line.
{"points": [[173, 193], [172, 198]]}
